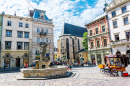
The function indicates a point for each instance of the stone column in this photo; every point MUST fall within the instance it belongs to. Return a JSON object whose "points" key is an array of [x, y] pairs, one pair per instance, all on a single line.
{"points": [[96, 58], [102, 57], [89, 56], [11, 62], [21, 62], [2, 63]]}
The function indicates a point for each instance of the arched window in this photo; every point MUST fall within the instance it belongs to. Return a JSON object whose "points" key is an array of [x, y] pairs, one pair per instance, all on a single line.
{"points": [[67, 48], [73, 48], [78, 45]]}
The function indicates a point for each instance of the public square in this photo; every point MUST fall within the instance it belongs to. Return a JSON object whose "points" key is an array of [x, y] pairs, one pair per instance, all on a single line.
{"points": [[84, 76]]}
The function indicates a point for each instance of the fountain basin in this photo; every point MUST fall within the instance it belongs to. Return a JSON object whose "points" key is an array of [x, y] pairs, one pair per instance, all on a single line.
{"points": [[40, 73]]}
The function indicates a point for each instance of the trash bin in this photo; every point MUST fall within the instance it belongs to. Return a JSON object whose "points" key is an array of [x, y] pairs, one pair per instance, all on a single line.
{"points": [[120, 73]]}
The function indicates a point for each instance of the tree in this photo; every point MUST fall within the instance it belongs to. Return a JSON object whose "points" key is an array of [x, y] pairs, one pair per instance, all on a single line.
{"points": [[85, 41]]}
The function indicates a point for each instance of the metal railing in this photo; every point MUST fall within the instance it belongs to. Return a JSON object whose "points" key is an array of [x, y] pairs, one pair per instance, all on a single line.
{"points": [[44, 21], [43, 33]]}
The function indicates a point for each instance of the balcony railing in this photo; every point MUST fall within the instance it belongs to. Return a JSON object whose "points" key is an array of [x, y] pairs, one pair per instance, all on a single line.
{"points": [[44, 21], [41, 43], [43, 33], [100, 47], [123, 41], [99, 32]]}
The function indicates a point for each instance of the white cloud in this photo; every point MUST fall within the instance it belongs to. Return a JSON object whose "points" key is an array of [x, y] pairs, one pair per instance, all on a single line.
{"points": [[56, 10]]}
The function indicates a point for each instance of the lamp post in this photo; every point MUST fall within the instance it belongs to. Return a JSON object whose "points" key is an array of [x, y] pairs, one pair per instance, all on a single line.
{"points": [[63, 51]]}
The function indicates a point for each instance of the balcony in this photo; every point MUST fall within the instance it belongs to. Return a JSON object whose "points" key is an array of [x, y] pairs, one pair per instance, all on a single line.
{"points": [[43, 33], [43, 21], [120, 42]]}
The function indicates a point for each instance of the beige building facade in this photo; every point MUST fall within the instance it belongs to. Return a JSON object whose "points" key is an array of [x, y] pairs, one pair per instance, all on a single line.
{"points": [[16, 41]]}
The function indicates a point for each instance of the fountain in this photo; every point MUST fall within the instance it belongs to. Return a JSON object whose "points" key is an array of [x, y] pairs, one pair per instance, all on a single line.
{"points": [[42, 68]]}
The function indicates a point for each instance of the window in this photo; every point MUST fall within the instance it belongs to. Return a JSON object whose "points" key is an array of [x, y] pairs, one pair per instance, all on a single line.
{"points": [[46, 30], [26, 46], [128, 35], [114, 14], [42, 40], [19, 45], [8, 23], [38, 29], [47, 40], [7, 45], [38, 39], [20, 24], [96, 30], [26, 34], [105, 42], [115, 24], [8, 33], [20, 34], [91, 44], [126, 21], [103, 28], [42, 30], [26, 25], [124, 9], [98, 45], [90, 32], [116, 37]]}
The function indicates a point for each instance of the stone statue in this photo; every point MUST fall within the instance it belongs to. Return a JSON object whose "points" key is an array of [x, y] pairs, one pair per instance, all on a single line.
{"points": [[43, 53]]}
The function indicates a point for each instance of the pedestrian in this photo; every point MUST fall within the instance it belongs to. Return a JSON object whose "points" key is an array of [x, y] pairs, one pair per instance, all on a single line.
{"points": [[78, 63], [68, 66], [71, 65], [26, 65], [82, 64], [4, 65], [94, 62]]}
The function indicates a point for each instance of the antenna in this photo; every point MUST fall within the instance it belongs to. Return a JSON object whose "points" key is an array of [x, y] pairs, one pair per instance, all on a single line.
{"points": [[29, 4]]}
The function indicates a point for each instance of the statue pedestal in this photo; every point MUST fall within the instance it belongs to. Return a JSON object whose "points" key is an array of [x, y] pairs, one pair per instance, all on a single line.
{"points": [[44, 65]]}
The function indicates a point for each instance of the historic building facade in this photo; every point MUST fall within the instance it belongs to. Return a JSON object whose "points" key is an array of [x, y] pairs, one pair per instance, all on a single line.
{"points": [[119, 21], [98, 39], [42, 29], [70, 42], [16, 41]]}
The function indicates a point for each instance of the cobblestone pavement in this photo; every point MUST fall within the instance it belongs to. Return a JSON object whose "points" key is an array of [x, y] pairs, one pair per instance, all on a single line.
{"points": [[85, 76]]}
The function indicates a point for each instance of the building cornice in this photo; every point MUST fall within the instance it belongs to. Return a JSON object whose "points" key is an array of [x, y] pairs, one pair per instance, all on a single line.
{"points": [[6, 15], [43, 23], [115, 3]]}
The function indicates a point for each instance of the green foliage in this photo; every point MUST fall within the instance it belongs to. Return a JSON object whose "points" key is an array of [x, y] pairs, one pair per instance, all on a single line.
{"points": [[85, 41]]}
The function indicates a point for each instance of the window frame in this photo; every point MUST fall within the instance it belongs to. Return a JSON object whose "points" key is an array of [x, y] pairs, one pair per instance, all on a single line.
{"points": [[114, 12], [91, 45], [20, 34], [124, 9], [9, 24], [104, 43], [97, 43], [38, 30], [96, 30], [21, 45], [90, 32], [127, 20], [114, 24], [25, 46], [104, 28], [20, 24], [25, 34], [116, 37], [37, 39], [10, 45], [10, 31], [26, 25]]}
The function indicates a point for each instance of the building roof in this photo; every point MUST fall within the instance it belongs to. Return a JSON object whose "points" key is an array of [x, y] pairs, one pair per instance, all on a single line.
{"points": [[82, 50], [72, 30]]}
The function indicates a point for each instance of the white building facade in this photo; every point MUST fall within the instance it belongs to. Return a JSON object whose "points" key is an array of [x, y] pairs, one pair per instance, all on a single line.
{"points": [[118, 12], [42, 29], [16, 41]]}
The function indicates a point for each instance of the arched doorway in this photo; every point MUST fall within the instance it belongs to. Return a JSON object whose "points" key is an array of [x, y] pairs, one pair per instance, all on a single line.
{"points": [[128, 54], [17, 62]]}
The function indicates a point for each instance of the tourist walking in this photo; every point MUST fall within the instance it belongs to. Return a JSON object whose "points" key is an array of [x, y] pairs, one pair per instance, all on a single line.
{"points": [[68, 66], [4, 65], [71, 64]]}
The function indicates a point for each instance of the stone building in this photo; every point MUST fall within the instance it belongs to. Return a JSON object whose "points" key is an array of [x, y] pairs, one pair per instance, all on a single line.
{"points": [[83, 54], [98, 39], [16, 41], [42, 29], [70, 42], [118, 12]]}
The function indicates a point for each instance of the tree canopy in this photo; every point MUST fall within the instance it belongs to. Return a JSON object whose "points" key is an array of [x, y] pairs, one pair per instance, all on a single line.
{"points": [[85, 41]]}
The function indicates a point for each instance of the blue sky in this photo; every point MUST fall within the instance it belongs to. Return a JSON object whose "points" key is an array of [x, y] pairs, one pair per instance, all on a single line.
{"points": [[77, 12]]}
